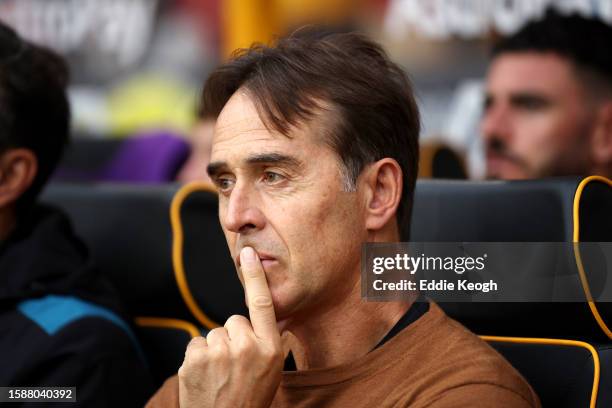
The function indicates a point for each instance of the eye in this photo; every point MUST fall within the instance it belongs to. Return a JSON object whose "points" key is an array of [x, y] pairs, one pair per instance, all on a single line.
{"points": [[487, 103], [224, 184], [271, 177], [533, 104]]}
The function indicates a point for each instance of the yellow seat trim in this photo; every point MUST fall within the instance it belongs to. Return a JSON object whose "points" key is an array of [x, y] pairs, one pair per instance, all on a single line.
{"points": [[558, 342], [168, 323], [576, 239], [177, 250]]}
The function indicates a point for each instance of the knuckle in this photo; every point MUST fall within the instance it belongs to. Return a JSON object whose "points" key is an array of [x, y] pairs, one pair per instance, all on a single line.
{"points": [[212, 332], [195, 343], [187, 377], [183, 372], [243, 348], [217, 332], [271, 355], [195, 358], [235, 319], [218, 355], [261, 302]]}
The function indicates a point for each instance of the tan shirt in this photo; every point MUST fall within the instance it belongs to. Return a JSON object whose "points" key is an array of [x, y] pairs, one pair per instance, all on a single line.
{"points": [[434, 362]]}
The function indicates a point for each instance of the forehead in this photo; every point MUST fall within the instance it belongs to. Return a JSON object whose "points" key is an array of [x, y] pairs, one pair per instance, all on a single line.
{"points": [[531, 71], [239, 129], [238, 116]]}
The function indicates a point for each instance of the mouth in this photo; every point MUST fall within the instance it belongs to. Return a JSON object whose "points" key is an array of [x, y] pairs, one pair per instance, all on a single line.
{"points": [[267, 260], [497, 160]]}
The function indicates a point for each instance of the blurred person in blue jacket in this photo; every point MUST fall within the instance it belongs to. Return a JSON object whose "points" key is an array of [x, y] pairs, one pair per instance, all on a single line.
{"points": [[548, 104], [61, 323]]}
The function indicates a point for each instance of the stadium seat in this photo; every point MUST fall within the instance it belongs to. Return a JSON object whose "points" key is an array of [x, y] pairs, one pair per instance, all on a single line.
{"points": [[563, 349], [164, 342], [127, 228]]}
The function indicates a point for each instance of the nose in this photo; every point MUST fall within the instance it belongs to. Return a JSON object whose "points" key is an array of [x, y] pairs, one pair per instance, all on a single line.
{"points": [[242, 214], [495, 123]]}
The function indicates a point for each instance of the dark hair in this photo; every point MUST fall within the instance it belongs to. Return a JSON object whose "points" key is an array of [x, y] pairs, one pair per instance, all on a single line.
{"points": [[584, 41], [34, 110], [376, 114]]}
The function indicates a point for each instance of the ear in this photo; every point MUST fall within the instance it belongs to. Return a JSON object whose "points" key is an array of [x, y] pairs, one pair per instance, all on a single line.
{"points": [[18, 168], [601, 142], [383, 180]]}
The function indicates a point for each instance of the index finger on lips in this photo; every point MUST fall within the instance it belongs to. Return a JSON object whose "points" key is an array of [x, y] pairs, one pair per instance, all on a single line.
{"points": [[261, 309]]}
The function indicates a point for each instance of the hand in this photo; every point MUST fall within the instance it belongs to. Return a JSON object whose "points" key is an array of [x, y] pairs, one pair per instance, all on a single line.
{"points": [[238, 365]]}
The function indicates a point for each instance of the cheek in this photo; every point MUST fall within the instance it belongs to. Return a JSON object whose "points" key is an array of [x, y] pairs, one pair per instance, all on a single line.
{"points": [[324, 243], [542, 136], [554, 143], [329, 217], [537, 131]]}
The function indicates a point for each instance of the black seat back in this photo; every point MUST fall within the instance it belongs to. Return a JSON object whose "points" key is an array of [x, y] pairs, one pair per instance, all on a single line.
{"points": [[563, 349]]}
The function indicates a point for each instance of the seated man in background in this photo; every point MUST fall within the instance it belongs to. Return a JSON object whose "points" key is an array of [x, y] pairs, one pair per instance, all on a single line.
{"points": [[60, 321], [194, 168], [315, 152], [548, 104]]}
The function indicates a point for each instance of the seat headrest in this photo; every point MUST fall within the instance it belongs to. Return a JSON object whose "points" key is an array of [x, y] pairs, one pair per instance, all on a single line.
{"points": [[493, 211], [209, 272], [127, 230], [549, 210]]}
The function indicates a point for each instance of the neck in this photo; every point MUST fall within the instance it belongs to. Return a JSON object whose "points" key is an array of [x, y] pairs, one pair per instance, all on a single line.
{"points": [[351, 327], [336, 336], [7, 222]]}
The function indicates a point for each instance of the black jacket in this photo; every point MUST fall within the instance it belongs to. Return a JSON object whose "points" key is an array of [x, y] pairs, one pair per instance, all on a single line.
{"points": [[60, 322]]}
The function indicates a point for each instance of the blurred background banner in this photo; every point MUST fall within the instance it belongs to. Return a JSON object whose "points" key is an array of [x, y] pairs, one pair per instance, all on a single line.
{"points": [[441, 19], [138, 65], [100, 38]]}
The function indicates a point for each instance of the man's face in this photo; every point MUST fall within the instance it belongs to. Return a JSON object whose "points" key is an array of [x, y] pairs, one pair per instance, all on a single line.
{"points": [[537, 118], [284, 197]]}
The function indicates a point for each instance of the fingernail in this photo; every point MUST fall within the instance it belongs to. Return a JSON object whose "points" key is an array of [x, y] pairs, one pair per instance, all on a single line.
{"points": [[248, 254]]}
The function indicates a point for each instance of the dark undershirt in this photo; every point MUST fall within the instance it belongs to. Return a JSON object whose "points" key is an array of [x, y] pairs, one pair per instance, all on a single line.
{"points": [[416, 310]]}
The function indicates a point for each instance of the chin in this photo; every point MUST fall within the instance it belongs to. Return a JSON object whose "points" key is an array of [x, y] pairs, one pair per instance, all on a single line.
{"points": [[285, 303], [506, 175], [282, 307]]}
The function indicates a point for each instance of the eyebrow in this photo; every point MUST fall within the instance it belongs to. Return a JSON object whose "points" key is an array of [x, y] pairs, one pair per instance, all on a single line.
{"points": [[520, 98], [529, 97], [214, 168]]}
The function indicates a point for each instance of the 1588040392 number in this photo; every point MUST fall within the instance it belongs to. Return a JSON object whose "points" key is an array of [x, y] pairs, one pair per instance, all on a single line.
{"points": [[37, 394]]}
